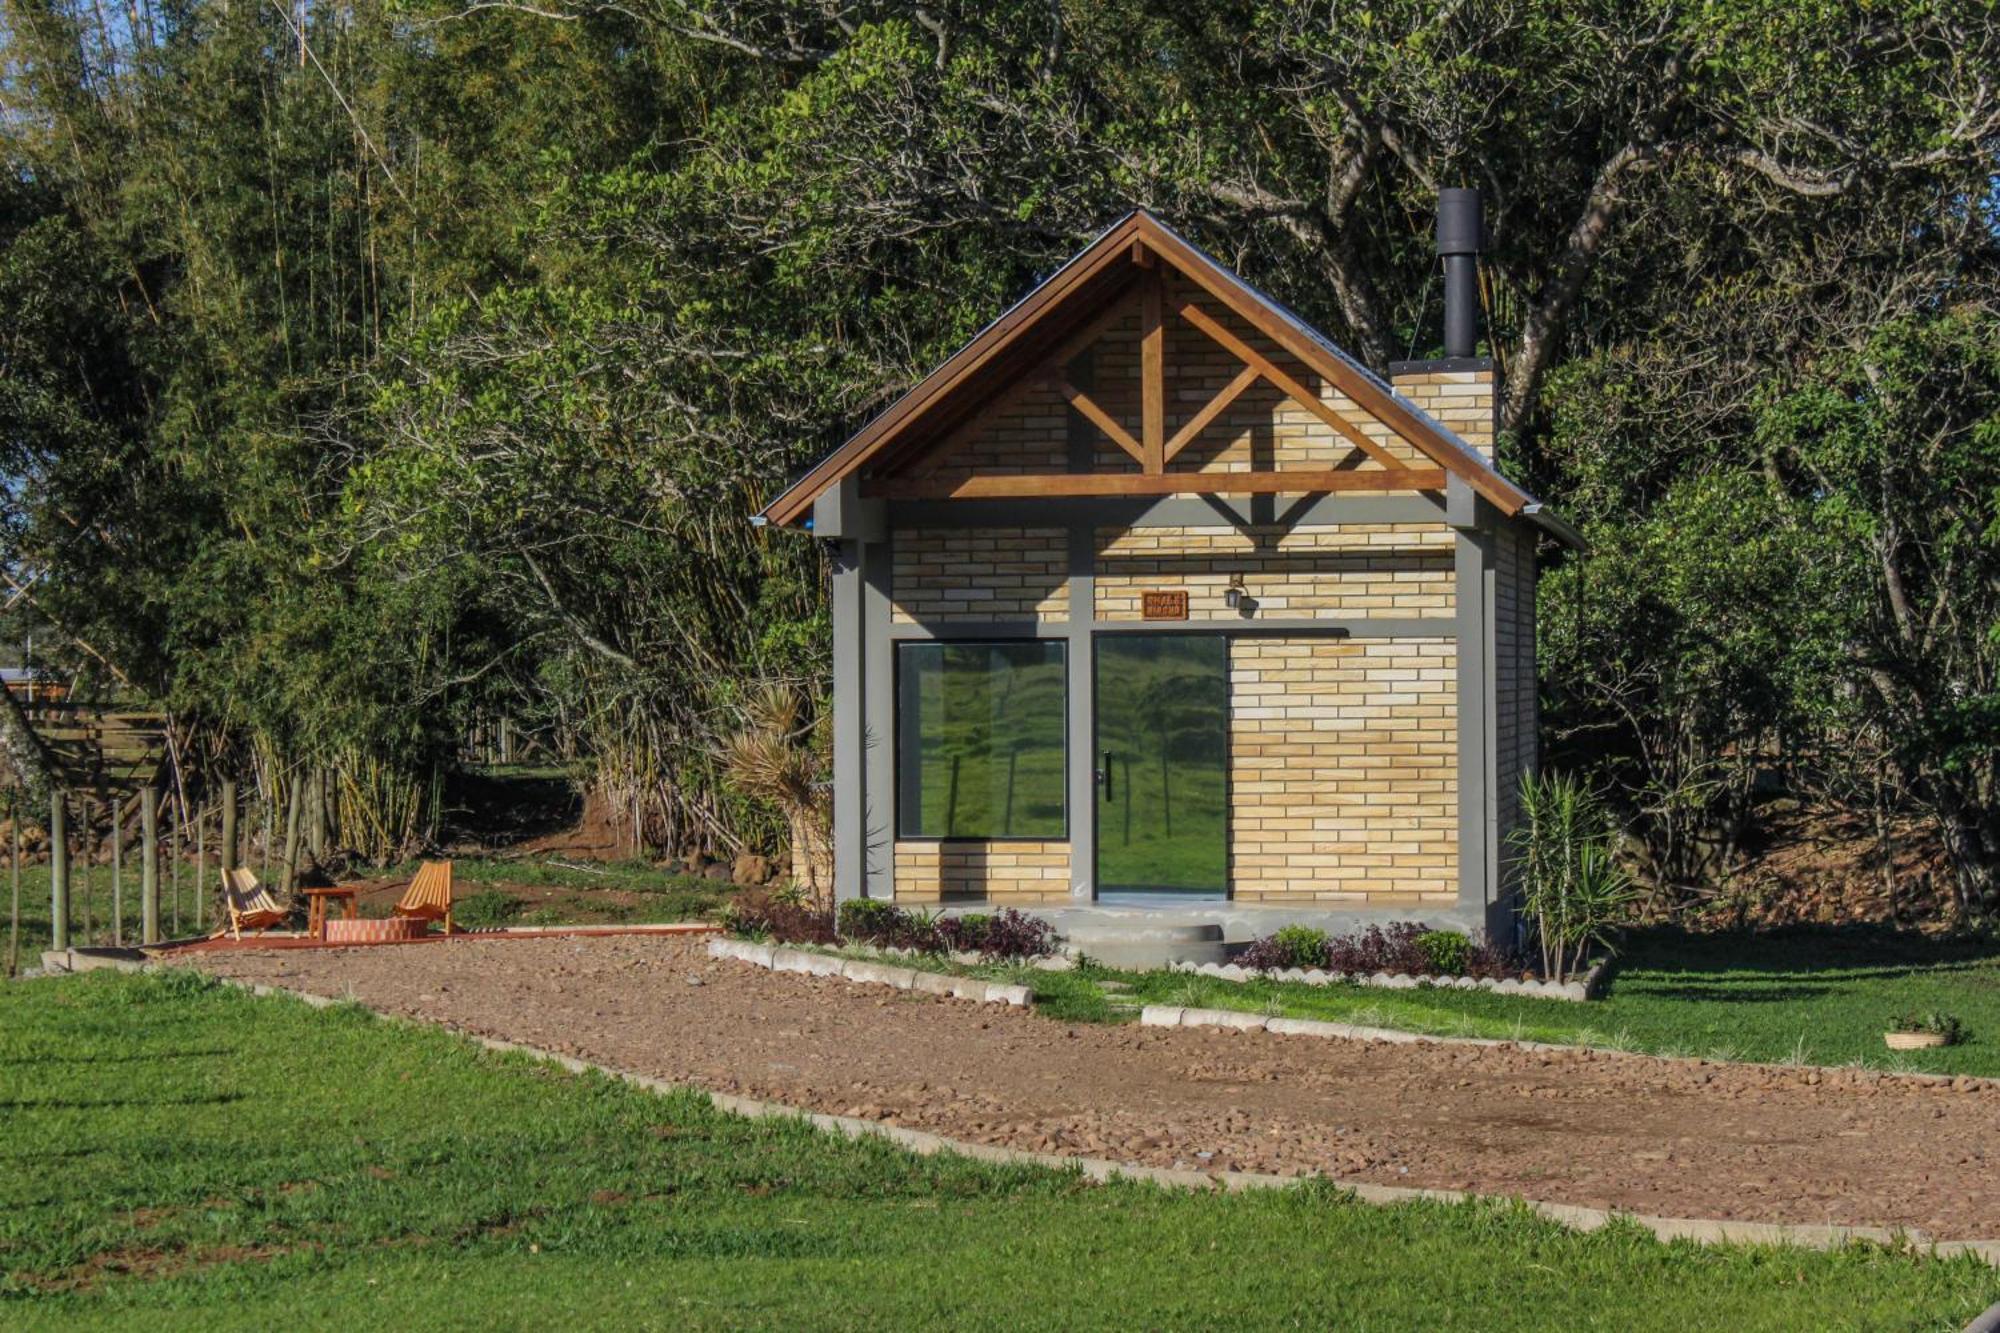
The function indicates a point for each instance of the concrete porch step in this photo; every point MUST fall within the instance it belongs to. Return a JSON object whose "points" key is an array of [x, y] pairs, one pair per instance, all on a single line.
{"points": [[1138, 944]]}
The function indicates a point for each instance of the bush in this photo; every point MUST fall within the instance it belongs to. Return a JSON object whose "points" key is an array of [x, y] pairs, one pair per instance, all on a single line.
{"points": [[1572, 889], [1292, 946], [867, 918], [1945, 1025], [1446, 952], [965, 934], [1012, 935], [781, 916], [1405, 947], [1005, 935]]}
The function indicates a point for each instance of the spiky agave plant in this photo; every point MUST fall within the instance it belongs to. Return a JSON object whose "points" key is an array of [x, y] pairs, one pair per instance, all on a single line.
{"points": [[778, 756]]}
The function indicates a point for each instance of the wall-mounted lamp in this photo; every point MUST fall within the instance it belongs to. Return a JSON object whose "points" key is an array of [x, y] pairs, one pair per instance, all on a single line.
{"points": [[1233, 595]]}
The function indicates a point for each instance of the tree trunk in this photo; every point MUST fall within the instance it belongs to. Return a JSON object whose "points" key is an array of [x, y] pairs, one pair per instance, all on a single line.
{"points": [[23, 749], [294, 806]]}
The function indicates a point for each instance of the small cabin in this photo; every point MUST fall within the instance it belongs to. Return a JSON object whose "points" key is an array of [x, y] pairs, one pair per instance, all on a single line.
{"points": [[1152, 598]]}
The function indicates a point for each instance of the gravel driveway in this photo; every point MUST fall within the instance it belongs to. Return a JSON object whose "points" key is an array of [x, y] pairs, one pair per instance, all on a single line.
{"points": [[1650, 1136]]}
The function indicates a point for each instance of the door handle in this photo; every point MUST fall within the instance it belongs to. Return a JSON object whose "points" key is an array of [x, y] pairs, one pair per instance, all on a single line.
{"points": [[1104, 776]]}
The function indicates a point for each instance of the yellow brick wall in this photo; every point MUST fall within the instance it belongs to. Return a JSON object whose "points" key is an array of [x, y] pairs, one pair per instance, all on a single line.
{"points": [[1343, 770], [939, 575], [1384, 569], [1003, 872], [1461, 399]]}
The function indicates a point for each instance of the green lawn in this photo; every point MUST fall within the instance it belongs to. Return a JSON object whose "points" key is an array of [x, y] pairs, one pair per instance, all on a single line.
{"points": [[181, 1154], [1819, 997], [658, 897]]}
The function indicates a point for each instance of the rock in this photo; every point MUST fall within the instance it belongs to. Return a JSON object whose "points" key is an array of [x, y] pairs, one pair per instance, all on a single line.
{"points": [[750, 870], [716, 871]]}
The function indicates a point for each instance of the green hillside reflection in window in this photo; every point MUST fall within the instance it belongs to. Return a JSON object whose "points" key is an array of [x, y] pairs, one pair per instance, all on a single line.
{"points": [[979, 741]]}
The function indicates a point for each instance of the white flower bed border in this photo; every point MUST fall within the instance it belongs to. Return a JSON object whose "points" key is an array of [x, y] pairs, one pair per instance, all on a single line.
{"points": [[1590, 986], [780, 959]]}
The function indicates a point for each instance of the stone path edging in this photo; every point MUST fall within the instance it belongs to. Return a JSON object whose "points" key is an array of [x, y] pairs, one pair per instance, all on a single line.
{"points": [[1701, 1231], [779, 959], [1589, 986]]}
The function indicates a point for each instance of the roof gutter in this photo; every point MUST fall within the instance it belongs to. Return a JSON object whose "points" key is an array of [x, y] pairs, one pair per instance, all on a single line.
{"points": [[1555, 525]]}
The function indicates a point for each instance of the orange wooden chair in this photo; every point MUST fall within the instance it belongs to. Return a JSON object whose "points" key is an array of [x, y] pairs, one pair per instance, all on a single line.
{"points": [[429, 894], [249, 904]]}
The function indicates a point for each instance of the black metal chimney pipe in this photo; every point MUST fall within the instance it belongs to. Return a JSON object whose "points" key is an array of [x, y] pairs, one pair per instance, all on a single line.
{"points": [[1461, 239]]}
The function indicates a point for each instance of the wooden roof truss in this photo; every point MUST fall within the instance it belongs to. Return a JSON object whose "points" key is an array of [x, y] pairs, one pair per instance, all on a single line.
{"points": [[901, 455]]}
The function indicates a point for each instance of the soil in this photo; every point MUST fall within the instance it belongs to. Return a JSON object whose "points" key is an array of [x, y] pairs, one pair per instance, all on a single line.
{"points": [[1807, 866], [1671, 1138]]}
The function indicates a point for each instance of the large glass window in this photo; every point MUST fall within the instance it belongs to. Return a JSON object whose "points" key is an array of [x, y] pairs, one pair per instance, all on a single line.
{"points": [[979, 739]]}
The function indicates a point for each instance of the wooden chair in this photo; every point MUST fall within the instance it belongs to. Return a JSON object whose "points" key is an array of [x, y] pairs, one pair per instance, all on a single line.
{"points": [[429, 894], [249, 904]]}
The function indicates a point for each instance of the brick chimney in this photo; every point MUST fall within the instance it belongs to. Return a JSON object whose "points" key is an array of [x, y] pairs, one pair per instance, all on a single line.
{"points": [[1461, 388]]}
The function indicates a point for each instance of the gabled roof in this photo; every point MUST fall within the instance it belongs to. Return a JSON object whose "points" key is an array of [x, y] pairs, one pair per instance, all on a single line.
{"points": [[1060, 309]]}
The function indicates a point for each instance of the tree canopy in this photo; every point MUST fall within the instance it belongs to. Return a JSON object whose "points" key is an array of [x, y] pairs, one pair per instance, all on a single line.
{"points": [[369, 367]]}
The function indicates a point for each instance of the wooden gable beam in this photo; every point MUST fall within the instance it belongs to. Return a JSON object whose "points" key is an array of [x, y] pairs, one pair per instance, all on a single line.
{"points": [[1101, 419], [1193, 313], [1153, 371], [1082, 484], [1406, 421], [1214, 408], [1067, 351]]}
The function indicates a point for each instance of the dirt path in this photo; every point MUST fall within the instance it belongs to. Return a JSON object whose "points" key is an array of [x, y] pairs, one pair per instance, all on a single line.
{"points": [[1647, 1136]]}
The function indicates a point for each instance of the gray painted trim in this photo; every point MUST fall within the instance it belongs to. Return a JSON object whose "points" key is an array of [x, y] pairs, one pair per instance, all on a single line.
{"points": [[1082, 713], [978, 629], [849, 710], [1490, 716], [840, 512], [1440, 365], [880, 737], [1082, 721], [1461, 505], [1472, 559], [1168, 512], [1381, 627]]}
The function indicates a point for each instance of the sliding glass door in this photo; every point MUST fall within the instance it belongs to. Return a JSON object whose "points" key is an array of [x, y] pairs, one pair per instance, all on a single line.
{"points": [[1162, 764]]}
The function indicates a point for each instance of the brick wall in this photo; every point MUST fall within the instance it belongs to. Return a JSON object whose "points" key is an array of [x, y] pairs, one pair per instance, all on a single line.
{"points": [[1004, 872], [1517, 720], [939, 575], [1344, 759], [1390, 569], [1463, 400]]}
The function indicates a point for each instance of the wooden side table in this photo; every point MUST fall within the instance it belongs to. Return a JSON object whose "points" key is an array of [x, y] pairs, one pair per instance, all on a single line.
{"points": [[316, 900]]}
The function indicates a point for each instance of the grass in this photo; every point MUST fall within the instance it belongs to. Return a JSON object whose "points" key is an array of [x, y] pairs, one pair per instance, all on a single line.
{"points": [[1808, 997], [182, 1153], [1820, 997], [544, 893]]}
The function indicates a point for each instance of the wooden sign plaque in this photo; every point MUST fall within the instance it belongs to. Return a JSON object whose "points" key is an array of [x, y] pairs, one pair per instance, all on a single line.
{"points": [[1164, 605]]}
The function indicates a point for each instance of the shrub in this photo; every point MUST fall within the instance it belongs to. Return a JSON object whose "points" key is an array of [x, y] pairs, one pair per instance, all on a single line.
{"points": [[965, 934], [1945, 1025], [1013, 935], [1400, 947], [1446, 952], [867, 918], [1572, 889], [779, 916], [885, 925], [1304, 945], [1392, 948]]}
